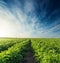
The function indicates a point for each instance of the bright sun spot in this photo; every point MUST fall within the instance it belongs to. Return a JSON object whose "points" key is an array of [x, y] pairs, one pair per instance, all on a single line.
{"points": [[4, 28]]}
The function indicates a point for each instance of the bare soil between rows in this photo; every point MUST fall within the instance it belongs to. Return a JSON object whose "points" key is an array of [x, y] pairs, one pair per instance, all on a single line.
{"points": [[29, 58]]}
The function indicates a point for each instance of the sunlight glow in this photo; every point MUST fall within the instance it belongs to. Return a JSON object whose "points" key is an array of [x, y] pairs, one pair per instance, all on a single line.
{"points": [[4, 28]]}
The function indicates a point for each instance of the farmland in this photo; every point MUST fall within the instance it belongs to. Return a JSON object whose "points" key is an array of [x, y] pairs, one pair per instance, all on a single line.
{"points": [[30, 50]]}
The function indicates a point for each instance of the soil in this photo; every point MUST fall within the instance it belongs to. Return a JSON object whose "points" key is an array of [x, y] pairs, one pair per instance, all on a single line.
{"points": [[29, 56]]}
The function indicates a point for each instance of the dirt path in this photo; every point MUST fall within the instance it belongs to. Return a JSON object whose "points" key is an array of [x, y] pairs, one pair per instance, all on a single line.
{"points": [[29, 56]]}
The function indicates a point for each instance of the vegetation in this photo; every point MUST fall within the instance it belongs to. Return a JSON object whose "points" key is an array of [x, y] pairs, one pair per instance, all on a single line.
{"points": [[45, 50], [6, 43], [14, 54]]}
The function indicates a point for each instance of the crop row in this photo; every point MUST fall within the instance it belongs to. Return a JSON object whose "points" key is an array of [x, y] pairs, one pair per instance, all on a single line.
{"points": [[46, 50], [14, 54], [6, 43]]}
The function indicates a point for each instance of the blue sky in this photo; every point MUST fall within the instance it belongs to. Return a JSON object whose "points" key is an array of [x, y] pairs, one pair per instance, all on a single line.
{"points": [[30, 18]]}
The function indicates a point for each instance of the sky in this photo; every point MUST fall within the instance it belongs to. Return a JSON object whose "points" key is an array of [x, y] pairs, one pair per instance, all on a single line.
{"points": [[30, 18]]}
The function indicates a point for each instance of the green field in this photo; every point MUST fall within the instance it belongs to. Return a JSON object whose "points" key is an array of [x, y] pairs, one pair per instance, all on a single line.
{"points": [[44, 50]]}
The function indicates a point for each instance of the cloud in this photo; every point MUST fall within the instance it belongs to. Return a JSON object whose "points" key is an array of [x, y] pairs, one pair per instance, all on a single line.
{"points": [[17, 20], [28, 6]]}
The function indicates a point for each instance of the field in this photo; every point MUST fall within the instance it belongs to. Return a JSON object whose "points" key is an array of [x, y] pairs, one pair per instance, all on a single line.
{"points": [[30, 50]]}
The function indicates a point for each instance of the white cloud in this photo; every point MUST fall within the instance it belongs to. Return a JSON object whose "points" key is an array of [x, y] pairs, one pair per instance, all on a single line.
{"points": [[29, 7], [15, 23]]}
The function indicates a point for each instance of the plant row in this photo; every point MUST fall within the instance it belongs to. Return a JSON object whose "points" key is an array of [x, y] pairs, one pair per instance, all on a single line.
{"points": [[14, 54], [5, 44], [46, 50]]}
